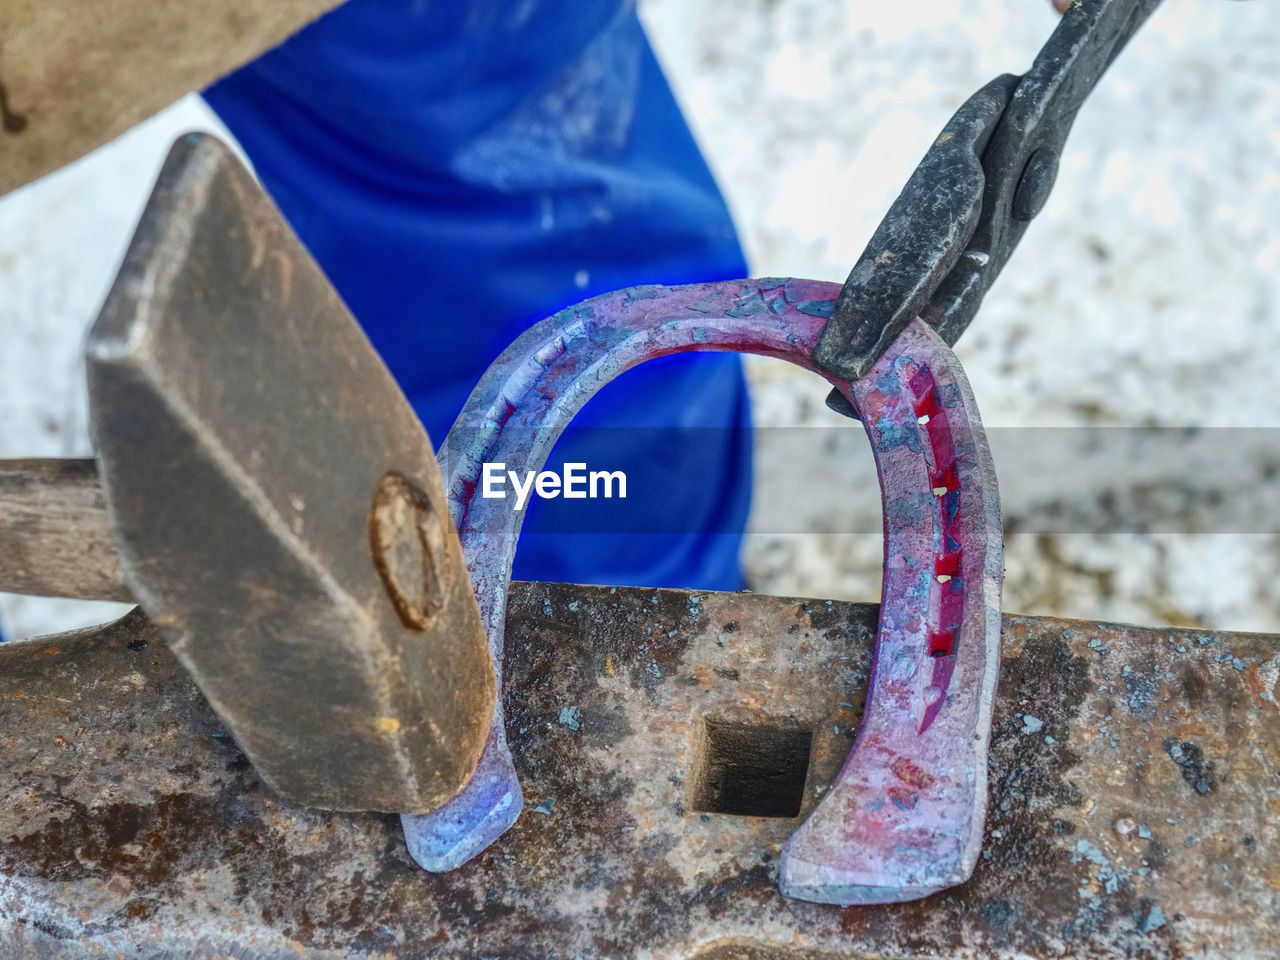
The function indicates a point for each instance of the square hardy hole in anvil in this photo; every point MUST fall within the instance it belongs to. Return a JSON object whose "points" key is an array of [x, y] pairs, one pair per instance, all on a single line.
{"points": [[751, 770]]}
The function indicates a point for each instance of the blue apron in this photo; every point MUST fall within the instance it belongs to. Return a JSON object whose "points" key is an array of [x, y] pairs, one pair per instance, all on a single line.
{"points": [[461, 170]]}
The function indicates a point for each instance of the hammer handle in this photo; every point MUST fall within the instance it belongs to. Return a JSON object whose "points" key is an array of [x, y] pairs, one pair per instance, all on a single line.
{"points": [[55, 538]]}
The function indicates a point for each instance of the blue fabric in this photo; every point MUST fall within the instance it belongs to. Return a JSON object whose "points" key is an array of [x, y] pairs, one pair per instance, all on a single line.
{"points": [[461, 170]]}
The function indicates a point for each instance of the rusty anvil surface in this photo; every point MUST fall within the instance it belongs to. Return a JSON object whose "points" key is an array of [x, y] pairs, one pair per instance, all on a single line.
{"points": [[1134, 806]]}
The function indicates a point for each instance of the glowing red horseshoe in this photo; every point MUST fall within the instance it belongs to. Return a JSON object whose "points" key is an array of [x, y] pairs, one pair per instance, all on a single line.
{"points": [[905, 816]]}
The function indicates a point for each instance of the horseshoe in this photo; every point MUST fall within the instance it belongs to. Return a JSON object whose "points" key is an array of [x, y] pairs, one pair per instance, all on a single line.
{"points": [[904, 818]]}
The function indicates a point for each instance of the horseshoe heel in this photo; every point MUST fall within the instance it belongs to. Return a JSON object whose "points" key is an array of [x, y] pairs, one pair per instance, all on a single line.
{"points": [[905, 816]]}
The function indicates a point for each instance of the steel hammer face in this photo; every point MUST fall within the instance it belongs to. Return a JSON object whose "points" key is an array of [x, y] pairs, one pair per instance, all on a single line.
{"points": [[277, 505]]}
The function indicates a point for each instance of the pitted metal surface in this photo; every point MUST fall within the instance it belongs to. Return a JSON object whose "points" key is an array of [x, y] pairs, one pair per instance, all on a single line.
{"points": [[1133, 808]]}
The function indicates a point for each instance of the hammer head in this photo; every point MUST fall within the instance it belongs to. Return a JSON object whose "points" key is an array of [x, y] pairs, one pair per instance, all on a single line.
{"points": [[277, 505]]}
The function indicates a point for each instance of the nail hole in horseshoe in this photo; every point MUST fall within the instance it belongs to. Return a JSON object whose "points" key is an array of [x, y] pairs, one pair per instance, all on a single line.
{"points": [[948, 584]]}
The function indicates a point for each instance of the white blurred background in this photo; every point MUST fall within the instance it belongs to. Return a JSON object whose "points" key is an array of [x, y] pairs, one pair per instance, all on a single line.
{"points": [[1146, 294]]}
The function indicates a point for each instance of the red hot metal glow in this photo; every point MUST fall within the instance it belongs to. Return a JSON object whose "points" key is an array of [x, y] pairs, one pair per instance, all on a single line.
{"points": [[904, 819]]}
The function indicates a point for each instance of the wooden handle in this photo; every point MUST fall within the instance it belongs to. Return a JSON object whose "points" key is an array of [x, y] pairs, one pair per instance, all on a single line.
{"points": [[55, 537]]}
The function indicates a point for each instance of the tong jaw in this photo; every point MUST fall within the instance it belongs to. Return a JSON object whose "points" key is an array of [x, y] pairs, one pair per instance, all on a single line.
{"points": [[966, 206]]}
